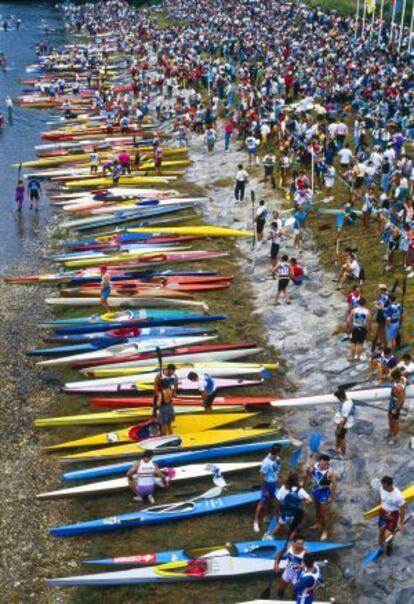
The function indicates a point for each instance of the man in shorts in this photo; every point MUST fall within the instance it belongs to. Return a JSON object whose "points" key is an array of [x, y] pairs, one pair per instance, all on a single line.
{"points": [[206, 386], [269, 474], [34, 188], [359, 324], [392, 512], [282, 271]]}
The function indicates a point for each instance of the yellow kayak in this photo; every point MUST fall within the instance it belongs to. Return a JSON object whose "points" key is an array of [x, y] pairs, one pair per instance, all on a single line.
{"points": [[121, 415], [182, 425], [204, 231], [408, 494], [124, 180], [208, 365], [192, 440]]}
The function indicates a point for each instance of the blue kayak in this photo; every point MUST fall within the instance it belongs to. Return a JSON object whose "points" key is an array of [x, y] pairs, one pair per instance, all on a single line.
{"points": [[122, 315], [127, 332], [143, 323], [166, 459], [267, 549], [159, 514], [105, 341], [121, 217]]}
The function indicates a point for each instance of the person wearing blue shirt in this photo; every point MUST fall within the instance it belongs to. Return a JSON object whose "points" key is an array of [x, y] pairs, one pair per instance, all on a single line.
{"points": [[393, 315], [309, 581], [34, 188], [269, 474]]}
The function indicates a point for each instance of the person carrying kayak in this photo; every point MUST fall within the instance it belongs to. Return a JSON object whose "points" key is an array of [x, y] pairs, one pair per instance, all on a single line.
{"points": [[290, 498], [105, 287], [269, 474], [395, 405], [34, 188], [165, 407], [323, 490], [207, 388], [142, 478], [344, 419], [294, 555], [308, 582], [392, 512]]}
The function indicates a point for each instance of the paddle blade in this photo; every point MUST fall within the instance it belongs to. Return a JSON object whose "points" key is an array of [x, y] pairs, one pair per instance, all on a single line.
{"points": [[372, 556], [315, 441], [211, 493], [294, 458], [266, 374]]}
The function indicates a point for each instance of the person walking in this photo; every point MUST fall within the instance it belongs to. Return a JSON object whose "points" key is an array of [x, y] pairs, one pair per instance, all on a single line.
{"points": [[210, 138], [242, 177], [269, 162], [34, 188], [291, 497], [391, 514], [228, 131], [19, 197], [269, 475], [282, 271]]}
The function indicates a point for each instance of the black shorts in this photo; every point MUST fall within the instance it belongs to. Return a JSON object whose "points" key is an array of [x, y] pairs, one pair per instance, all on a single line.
{"points": [[282, 284], [34, 195], [393, 414], [274, 250], [260, 225], [268, 170], [208, 403], [358, 335]]}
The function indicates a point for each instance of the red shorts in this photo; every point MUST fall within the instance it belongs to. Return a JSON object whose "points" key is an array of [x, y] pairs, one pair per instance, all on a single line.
{"points": [[388, 520]]}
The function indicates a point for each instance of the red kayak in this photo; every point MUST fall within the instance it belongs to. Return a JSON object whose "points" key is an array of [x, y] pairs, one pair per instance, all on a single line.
{"points": [[114, 243], [187, 401], [130, 288], [249, 347]]}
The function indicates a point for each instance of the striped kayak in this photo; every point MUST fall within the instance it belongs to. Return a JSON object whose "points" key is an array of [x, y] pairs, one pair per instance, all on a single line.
{"points": [[203, 231], [143, 301], [167, 459], [126, 349], [268, 549], [187, 401], [189, 472], [159, 514], [134, 386], [207, 438], [183, 424], [408, 494]]}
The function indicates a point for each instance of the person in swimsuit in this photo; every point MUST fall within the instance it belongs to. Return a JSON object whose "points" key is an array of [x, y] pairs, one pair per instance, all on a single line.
{"points": [[392, 512], [165, 407], [294, 555], [323, 491], [105, 288], [396, 403], [142, 478], [269, 474]]}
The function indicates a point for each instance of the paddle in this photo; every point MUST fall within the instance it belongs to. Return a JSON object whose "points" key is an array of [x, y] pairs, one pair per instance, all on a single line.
{"points": [[377, 552], [253, 199]]}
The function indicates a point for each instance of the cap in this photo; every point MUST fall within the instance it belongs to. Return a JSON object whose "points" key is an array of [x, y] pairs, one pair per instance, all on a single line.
{"points": [[382, 286]]}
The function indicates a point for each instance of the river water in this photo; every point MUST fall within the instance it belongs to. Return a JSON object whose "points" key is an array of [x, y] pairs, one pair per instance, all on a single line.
{"points": [[21, 234]]}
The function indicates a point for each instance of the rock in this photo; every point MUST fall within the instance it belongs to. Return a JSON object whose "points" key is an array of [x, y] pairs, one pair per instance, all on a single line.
{"points": [[405, 596], [346, 522], [348, 573], [320, 312], [363, 427]]}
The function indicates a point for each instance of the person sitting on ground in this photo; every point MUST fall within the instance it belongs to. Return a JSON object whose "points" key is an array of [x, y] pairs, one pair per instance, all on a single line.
{"points": [[142, 478]]}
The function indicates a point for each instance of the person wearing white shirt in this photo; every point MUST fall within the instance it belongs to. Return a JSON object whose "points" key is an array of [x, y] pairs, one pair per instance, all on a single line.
{"points": [[391, 514], [344, 419], [242, 178], [406, 366], [345, 155]]}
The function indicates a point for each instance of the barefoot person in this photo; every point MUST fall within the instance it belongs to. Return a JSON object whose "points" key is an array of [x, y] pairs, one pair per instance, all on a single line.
{"points": [[392, 512], [344, 419], [282, 271], [165, 407], [395, 405], [206, 386], [142, 478], [293, 555], [105, 288], [323, 491], [359, 324], [290, 497], [309, 581], [269, 474]]}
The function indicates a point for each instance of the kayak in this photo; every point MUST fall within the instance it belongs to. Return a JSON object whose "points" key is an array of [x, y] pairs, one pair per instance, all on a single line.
{"points": [[219, 401], [166, 459], [362, 394], [142, 214], [183, 424], [125, 337], [246, 549], [124, 180], [125, 349], [138, 288], [213, 368], [181, 354], [189, 472], [134, 386], [192, 440], [204, 231], [144, 301], [408, 494], [158, 514]]}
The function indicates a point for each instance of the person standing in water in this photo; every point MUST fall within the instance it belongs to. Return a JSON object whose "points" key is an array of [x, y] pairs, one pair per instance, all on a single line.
{"points": [[105, 288]]}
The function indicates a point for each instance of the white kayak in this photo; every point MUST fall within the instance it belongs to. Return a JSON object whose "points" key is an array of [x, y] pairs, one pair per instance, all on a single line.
{"points": [[116, 301], [112, 192], [132, 207], [149, 377], [119, 350], [365, 395], [188, 472], [214, 568], [133, 248], [190, 357]]}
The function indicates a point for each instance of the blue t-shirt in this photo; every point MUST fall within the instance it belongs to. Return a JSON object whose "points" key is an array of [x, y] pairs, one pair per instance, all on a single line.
{"points": [[270, 469]]}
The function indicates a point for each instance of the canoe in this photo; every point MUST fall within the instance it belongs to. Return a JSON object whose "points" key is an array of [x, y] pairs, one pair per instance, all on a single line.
{"points": [[124, 180], [204, 231], [133, 386], [192, 440], [189, 472], [138, 288], [159, 514], [408, 494], [166, 459], [142, 301], [213, 368], [183, 424], [126, 349], [116, 337], [361, 394], [181, 354], [267, 549], [219, 401]]}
